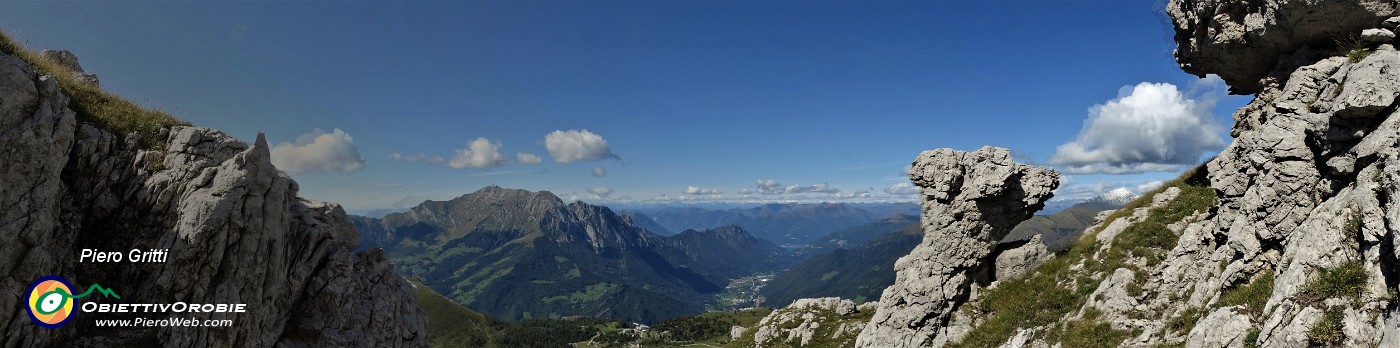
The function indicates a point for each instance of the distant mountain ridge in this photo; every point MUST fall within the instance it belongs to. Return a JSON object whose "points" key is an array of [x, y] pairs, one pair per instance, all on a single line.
{"points": [[785, 224], [859, 272], [516, 254]]}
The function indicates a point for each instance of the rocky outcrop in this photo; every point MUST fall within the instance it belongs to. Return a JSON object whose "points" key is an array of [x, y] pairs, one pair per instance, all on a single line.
{"points": [[70, 61], [970, 200], [1300, 249], [1243, 41], [828, 322], [235, 229]]}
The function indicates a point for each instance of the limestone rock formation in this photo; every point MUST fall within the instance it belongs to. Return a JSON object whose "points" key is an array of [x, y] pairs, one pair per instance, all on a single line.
{"points": [[235, 229], [970, 201], [1299, 249], [69, 60], [1243, 41], [827, 321]]}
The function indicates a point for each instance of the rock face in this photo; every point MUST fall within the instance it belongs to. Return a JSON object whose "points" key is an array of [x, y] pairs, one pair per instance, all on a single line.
{"points": [[235, 229], [1300, 248], [1243, 41], [970, 202]]}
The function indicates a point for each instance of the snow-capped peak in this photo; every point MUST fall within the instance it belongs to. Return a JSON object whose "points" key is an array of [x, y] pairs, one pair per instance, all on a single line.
{"points": [[1119, 196]]}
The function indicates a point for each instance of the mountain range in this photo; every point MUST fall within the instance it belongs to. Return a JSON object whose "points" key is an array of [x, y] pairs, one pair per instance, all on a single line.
{"points": [[789, 224], [516, 254]]}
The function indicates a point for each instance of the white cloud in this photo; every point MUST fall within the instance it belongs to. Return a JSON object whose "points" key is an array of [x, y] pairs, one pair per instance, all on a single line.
{"points": [[696, 190], [600, 192], [479, 153], [857, 194], [768, 186], [1150, 127], [317, 151], [527, 158], [577, 145], [600, 172], [818, 188], [902, 189], [773, 187]]}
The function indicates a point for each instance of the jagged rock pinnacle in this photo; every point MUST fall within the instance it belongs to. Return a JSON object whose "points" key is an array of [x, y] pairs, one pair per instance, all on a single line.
{"points": [[970, 201]]}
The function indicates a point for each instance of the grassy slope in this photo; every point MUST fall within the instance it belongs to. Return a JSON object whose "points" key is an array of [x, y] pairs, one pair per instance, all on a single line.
{"points": [[1064, 283], [450, 324], [93, 105]]}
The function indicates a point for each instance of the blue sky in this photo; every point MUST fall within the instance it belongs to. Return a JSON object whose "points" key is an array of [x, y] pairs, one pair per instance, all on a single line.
{"points": [[696, 101]]}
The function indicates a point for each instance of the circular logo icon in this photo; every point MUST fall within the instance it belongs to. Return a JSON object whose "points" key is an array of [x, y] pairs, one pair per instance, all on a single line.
{"points": [[51, 302]]}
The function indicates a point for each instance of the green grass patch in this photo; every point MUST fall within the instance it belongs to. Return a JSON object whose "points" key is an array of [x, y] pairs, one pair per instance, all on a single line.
{"points": [[1253, 296], [1328, 330], [1150, 239], [1251, 338], [1353, 48], [450, 324], [98, 107], [1353, 226], [1183, 323], [1347, 280]]}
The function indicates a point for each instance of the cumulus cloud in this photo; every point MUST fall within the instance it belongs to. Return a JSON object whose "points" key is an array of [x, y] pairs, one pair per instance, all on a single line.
{"points": [[479, 153], [317, 151], [527, 158], [577, 145], [1150, 127], [902, 189], [768, 186], [600, 192], [696, 190], [600, 172]]}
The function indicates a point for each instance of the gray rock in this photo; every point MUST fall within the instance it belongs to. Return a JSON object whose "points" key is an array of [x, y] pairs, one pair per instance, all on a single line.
{"points": [[736, 332], [69, 61], [1242, 42], [1225, 327], [1369, 86], [235, 229], [805, 321], [970, 201], [1391, 23], [1377, 35], [1020, 261]]}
